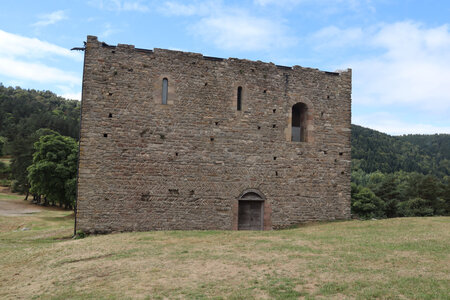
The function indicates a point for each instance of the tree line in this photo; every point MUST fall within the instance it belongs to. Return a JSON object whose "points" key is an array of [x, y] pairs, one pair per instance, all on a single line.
{"points": [[39, 133], [392, 176], [399, 176]]}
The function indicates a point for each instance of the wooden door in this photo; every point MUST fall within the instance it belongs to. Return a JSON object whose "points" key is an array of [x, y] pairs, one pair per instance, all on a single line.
{"points": [[250, 216]]}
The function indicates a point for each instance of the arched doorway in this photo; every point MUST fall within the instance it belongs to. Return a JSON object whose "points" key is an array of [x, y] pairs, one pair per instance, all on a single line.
{"points": [[251, 211]]}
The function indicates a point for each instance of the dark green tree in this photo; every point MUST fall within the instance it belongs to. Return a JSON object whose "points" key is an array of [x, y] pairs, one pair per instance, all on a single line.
{"points": [[3, 141], [415, 207], [445, 194], [365, 204], [388, 192], [54, 169]]}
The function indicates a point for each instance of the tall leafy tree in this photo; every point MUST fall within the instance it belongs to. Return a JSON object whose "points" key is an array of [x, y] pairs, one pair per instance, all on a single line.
{"points": [[53, 169], [365, 204]]}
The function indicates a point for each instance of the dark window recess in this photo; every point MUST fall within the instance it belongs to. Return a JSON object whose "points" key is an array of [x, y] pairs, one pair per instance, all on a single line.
{"points": [[217, 123], [110, 115], [276, 173], [211, 139], [110, 94], [274, 126], [206, 83], [274, 110], [259, 127], [299, 122], [105, 135], [274, 158], [239, 98], [176, 153], [341, 153], [165, 90], [265, 91], [328, 96]]}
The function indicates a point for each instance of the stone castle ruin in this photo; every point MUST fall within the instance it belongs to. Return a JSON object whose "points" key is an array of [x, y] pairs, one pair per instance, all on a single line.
{"points": [[178, 140]]}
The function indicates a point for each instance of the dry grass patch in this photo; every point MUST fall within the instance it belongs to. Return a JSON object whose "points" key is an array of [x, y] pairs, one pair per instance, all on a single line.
{"points": [[397, 258]]}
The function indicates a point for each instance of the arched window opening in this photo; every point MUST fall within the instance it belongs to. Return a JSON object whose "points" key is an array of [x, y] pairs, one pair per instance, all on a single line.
{"points": [[239, 98], [299, 123], [165, 88]]}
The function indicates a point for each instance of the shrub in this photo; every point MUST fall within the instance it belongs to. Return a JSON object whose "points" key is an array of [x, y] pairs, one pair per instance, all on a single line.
{"points": [[365, 204]]}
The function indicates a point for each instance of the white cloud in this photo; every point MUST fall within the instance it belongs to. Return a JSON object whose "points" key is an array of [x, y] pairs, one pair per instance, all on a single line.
{"points": [[330, 5], [51, 18], [201, 8], [30, 59], [108, 31], [335, 37], [68, 91], [412, 69], [120, 5], [232, 28], [243, 32], [278, 2], [72, 96], [12, 45], [178, 9], [405, 69], [35, 72], [390, 124]]}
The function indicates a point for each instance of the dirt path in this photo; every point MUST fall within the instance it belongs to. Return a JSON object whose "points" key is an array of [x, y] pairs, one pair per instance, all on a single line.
{"points": [[10, 207]]}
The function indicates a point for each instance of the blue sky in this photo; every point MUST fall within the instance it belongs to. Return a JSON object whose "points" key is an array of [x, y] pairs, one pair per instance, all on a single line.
{"points": [[399, 50]]}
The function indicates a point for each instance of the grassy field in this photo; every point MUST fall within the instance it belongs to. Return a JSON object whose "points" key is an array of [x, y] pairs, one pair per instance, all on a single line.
{"points": [[395, 259]]}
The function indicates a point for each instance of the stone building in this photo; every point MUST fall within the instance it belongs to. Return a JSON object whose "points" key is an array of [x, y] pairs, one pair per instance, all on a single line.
{"points": [[178, 140]]}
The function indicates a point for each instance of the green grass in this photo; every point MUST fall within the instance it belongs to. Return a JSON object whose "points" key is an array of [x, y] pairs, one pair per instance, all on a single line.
{"points": [[11, 197], [386, 259]]}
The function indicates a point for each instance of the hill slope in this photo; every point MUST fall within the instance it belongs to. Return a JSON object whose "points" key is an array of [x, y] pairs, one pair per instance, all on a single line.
{"points": [[426, 154]]}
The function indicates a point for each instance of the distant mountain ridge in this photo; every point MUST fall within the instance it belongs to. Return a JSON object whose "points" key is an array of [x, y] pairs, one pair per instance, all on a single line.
{"points": [[425, 154]]}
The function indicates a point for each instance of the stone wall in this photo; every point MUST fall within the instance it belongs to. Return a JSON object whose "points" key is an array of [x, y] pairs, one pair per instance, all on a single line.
{"points": [[148, 166]]}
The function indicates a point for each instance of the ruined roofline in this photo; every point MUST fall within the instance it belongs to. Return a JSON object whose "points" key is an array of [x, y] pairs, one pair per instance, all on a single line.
{"points": [[94, 39]]}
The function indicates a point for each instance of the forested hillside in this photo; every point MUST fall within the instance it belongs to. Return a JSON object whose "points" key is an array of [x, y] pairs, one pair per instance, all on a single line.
{"points": [[25, 117], [22, 112], [392, 176], [397, 176], [375, 151]]}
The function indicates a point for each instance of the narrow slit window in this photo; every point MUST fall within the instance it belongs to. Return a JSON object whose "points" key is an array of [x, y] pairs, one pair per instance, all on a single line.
{"points": [[299, 123], [239, 98], [165, 88]]}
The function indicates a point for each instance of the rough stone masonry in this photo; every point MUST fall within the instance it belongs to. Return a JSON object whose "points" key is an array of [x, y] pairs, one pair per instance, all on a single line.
{"points": [[178, 140]]}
